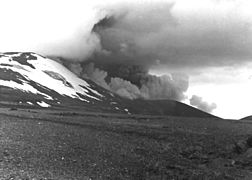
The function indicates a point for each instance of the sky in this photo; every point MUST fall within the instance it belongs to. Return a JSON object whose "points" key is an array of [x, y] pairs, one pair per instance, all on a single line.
{"points": [[197, 51]]}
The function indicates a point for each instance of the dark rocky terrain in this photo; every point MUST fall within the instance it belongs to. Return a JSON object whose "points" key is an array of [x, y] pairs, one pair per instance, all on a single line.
{"points": [[54, 144]]}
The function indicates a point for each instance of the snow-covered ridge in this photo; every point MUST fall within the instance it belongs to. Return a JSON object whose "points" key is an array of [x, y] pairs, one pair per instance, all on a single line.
{"points": [[31, 67]]}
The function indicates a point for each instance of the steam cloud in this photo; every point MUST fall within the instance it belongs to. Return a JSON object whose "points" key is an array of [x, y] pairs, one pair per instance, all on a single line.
{"points": [[203, 105]]}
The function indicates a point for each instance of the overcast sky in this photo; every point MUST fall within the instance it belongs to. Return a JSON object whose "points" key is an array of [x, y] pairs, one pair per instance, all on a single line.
{"points": [[209, 40]]}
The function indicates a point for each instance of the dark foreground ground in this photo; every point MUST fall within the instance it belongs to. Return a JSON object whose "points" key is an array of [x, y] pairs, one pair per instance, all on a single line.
{"points": [[43, 145]]}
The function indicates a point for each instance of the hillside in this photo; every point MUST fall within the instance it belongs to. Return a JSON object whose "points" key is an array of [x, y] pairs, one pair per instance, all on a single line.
{"points": [[164, 107], [248, 118], [29, 80]]}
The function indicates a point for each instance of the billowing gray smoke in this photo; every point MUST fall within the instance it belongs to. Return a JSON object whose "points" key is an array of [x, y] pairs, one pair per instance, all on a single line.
{"points": [[178, 33], [123, 63], [126, 40], [201, 104], [147, 86]]}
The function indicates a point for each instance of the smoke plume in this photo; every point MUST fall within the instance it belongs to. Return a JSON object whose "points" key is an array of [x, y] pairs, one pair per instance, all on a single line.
{"points": [[201, 104], [147, 87]]}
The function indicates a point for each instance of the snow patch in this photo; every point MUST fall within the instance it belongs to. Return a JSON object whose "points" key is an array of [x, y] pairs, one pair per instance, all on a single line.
{"points": [[43, 104], [23, 87], [49, 74], [30, 103], [45, 64]]}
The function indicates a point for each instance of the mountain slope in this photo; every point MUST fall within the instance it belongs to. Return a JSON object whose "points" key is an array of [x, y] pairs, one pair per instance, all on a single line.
{"points": [[164, 107], [31, 80], [248, 118]]}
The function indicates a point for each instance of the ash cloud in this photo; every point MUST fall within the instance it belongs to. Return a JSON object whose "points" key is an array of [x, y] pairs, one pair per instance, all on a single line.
{"points": [[170, 86], [147, 86], [176, 37], [124, 88], [198, 102], [177, 33], [95, 74]]}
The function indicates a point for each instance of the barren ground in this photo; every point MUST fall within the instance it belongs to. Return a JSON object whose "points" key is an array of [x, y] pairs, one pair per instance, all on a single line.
{"points": [[57, 145]]}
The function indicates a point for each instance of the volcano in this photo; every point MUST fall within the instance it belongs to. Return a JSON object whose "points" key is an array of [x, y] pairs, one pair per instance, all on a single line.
{"points": [[29, 80]]}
